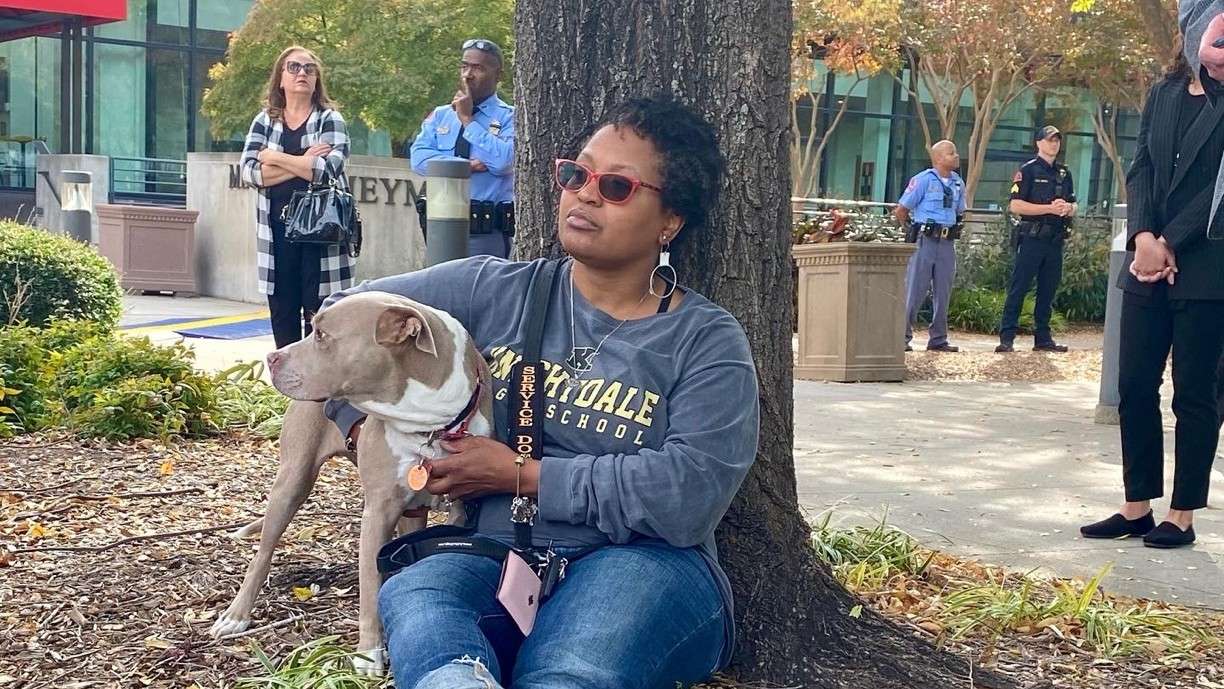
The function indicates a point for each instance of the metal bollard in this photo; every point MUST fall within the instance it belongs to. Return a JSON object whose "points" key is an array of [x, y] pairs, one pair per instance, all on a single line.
{"points": [[76, 194], [447, 210], [1108, 399]]}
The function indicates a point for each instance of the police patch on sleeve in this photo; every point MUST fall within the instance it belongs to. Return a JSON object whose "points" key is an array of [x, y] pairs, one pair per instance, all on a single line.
{"points": [[1015, 189], [913, 184], [1019, 176]]}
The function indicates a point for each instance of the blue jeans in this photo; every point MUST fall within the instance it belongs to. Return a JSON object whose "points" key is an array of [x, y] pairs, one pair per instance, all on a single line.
{"points": [[644, 615]]}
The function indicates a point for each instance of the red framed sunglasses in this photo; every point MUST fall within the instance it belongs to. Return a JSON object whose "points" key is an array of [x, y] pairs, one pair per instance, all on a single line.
{"points": [[613, 187]]}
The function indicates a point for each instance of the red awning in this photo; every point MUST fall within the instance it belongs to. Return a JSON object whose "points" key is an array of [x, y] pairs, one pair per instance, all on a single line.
{"points": [[22, 18]]}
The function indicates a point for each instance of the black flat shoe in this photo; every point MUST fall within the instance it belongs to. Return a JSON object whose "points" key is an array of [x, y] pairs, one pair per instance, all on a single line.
{"points": [[1169, 535], [1004, 348], [909, 348], [1118, 526], [945, 347], [1050, 347]]}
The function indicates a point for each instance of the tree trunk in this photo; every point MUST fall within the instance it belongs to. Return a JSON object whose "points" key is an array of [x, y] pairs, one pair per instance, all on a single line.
{"points": [[729, 60], [1107, 136]]}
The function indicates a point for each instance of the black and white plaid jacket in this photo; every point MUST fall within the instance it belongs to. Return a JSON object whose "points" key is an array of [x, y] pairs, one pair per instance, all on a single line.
{"points": [[323, 126]]}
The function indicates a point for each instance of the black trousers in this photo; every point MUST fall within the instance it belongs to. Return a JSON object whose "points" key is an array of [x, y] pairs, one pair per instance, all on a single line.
{"points": [[1035, 258], [1194, 330], [295, 296]]}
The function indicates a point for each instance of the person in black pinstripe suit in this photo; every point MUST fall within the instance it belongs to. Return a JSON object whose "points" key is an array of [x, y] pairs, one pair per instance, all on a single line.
{"points": [[1173, 300]]}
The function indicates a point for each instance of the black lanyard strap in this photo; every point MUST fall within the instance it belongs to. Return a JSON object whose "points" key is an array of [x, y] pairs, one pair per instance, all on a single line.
{"points": [[525, 421]]}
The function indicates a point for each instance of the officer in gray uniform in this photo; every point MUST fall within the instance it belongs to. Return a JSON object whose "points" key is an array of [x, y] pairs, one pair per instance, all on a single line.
{"points": [[932, 211]]}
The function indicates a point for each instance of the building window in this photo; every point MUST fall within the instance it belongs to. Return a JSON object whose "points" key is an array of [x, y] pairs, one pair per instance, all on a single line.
{"points": [[27, 112]]}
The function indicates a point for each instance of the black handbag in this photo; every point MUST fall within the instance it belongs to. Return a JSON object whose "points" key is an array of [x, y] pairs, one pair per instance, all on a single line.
{"points": [[324, 214]]}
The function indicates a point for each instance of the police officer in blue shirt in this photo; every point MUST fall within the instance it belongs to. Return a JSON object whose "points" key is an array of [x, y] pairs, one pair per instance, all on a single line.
{"points": [[932, 211], [1043, 195], [479, 126]]}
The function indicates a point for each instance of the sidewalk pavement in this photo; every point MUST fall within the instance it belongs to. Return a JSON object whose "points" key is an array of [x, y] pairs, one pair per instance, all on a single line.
{"points": [[1005, 473], [211, 355]]}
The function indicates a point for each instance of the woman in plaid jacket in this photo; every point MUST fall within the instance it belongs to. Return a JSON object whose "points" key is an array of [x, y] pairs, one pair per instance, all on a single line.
{"points": [[297, 140]]}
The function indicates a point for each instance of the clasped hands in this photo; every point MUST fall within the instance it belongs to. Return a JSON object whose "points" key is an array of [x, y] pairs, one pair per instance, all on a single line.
{"points": [[1063, 208], [1154, 260]]}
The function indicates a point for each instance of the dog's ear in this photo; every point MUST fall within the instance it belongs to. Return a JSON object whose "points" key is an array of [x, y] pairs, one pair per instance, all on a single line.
{"points": [[396, 324]]}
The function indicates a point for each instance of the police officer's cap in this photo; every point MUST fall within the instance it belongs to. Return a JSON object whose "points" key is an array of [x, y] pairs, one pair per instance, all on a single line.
{"points": [[1047, 132], [484, 46]]}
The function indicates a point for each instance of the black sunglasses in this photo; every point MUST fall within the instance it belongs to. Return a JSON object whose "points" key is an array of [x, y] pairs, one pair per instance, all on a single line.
{"points": [[293, 67]]}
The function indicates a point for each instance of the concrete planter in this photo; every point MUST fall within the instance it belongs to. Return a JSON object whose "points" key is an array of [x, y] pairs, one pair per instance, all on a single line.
{"points": [[851, 311], [153, 248]]}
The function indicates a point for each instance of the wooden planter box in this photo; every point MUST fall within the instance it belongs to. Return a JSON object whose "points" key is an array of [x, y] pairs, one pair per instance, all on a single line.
{"points": [[851, 311], [152, 247]]}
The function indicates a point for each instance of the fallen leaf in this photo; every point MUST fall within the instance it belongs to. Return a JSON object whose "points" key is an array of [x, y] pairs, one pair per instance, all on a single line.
{"points": [[36, 531], [157, 642], [856, 611], [303, 593], [166, 468]]}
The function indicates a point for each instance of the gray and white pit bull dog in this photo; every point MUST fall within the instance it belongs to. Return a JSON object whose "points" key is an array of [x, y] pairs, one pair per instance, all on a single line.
{"points": [[415, 372]]}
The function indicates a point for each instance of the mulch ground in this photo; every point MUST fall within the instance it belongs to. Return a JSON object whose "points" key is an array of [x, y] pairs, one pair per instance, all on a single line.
{"points": [[114, 561], [977, 360], [91, 609]]}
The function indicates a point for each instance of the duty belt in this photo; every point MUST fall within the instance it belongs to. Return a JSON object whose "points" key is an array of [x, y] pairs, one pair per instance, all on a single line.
{"points": [[1046, 231], [935, 230], [487, 217]]}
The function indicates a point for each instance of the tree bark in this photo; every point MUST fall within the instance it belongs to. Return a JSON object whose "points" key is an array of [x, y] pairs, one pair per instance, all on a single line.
{"points": [[730, 61], [1106, 128]]}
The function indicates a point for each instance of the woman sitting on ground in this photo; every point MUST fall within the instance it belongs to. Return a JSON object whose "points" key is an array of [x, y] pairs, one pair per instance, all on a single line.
{"points": [[651, 421]]}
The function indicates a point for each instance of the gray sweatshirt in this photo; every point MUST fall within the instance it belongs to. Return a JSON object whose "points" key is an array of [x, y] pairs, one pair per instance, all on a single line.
{"points": [[655, 439]]}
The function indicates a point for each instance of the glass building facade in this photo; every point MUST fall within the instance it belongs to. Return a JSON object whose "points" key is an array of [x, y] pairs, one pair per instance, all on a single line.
{"points": [[143, 80], [879, 143]]}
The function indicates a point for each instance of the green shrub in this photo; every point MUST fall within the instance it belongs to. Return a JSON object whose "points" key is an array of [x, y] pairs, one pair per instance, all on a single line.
{"points": [[246, 403], [44, 277], [106, 360], [22, 357], [1085, 278], [150, 406], [986, 263], [980, 310], [9, 425], [29, 362], [97, 383]]}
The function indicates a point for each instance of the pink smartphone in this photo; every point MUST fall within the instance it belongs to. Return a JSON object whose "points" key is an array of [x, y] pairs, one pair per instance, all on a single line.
{"points": [[519, 591]]}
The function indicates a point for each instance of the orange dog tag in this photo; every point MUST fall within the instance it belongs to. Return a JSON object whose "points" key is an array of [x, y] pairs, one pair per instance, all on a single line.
{"points": [[418, 476]]}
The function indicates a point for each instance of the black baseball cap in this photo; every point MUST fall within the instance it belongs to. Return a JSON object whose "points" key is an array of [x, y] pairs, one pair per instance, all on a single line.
{"points": [[1046, 132], [484, 46]]}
